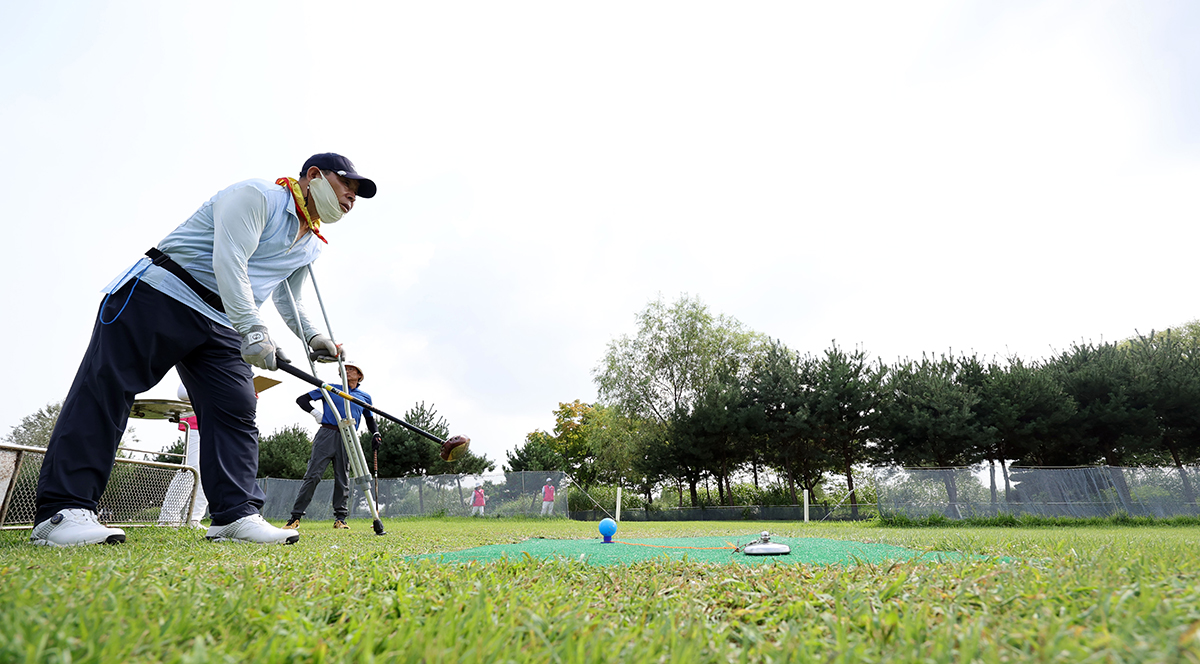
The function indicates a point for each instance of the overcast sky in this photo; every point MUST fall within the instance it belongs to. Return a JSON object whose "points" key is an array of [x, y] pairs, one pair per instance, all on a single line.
{"points": [[999, 178]]}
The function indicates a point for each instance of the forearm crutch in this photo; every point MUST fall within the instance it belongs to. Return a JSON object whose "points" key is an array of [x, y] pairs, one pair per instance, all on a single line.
{"points": [[354, 454]]}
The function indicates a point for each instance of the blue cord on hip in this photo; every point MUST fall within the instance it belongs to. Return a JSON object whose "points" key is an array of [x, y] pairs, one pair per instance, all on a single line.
{"points": [[136, 279]]}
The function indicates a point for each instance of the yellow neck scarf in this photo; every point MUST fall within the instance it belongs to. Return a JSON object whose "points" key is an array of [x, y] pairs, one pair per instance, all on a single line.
{"points": [[314, 224]]}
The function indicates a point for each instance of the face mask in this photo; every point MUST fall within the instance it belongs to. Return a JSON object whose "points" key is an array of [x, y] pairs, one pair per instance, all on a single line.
{"points": [[325, 199]]}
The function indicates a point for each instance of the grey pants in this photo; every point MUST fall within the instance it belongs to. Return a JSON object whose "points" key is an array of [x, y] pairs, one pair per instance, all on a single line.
{"points": [[327, 446]]}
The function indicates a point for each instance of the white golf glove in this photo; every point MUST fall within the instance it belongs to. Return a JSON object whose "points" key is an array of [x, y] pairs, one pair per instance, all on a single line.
{"points": [[259, 350], [322, 342], [318, 413]]}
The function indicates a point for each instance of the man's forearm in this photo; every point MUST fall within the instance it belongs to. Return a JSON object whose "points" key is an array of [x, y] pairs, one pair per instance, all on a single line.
{"points": [[290, 307]]}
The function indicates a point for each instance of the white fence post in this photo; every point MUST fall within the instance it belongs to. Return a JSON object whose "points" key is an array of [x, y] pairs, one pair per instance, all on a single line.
{"points": [[806, 506], [618, 503]]}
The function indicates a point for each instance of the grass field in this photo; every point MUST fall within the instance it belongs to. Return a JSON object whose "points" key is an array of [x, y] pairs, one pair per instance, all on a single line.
{"points": [[1109, 594]]}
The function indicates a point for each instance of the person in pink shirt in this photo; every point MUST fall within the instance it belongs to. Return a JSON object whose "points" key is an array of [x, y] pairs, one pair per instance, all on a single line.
{"points": [[478, 500], [548, 498]]}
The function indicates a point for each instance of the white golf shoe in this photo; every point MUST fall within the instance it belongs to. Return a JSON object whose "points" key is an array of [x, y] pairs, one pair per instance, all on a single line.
{"points": [[252, 528], [74, 527]]}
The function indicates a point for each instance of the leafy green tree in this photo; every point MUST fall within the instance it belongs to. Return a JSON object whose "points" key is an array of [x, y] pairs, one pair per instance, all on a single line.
{"points": [[842, 409], [536, 453], [623, 451], [1027, 415], [569, 443], [1187, 334], [675, 356], [611, 441], [403, 453], [1114, 421], [929, 419], [650, 461], [776, 393], [688, 453], [284, 454], [976, 376], [1172, 364], [570, 440], [713, 435], [659, 376], [35, 429]]}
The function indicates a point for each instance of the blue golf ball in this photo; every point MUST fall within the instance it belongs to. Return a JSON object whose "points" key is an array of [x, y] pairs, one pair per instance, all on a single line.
{"points": [[608, 528]]}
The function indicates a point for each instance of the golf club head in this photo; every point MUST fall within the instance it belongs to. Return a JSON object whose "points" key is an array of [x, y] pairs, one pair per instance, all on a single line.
{"points": [[454, 448]]}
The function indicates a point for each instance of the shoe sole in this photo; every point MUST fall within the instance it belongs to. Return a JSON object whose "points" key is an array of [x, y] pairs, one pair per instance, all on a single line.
{"points": [[290, 540], [111, 539]]}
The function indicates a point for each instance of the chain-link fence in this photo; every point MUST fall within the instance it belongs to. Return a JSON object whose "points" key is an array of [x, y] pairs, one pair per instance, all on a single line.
{"points": [[983, 491], [713, 513], [138, 492], [506, 494]]}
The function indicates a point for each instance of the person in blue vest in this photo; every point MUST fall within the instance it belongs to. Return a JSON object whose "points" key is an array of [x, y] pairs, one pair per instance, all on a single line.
{"points": [[193, 304], [328, 447]]}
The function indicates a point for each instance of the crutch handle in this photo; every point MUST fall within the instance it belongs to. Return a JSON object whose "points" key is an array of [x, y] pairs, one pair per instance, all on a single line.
{"points": [[321, 356]]}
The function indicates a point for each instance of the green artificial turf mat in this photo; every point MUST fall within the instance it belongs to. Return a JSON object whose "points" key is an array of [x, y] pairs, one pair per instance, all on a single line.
{"points": [[805, 550]]}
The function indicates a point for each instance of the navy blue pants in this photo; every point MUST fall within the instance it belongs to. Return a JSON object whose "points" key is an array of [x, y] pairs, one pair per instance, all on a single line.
{"points": [[131, 355]]}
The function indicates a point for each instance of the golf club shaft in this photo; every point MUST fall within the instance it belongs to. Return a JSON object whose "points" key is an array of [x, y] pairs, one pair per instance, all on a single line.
{"points": [[313, 380]]}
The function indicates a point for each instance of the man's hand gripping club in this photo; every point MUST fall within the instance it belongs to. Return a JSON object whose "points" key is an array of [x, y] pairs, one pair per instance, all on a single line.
{"points": [[259, 350]]}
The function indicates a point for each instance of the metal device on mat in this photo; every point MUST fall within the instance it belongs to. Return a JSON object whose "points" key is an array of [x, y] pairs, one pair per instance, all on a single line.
{"points": [[354, 454], [763, 546]]}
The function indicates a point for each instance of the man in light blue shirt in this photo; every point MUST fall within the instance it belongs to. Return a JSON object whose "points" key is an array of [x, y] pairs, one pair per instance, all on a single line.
{"points": [[193, 304]]}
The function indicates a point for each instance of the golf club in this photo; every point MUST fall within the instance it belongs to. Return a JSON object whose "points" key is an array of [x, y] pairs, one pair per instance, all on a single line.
{"points": [[286, 366], [355, 460]]}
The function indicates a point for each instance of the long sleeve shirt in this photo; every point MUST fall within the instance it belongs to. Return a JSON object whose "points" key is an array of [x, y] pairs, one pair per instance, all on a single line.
{"points": [[242, 244]]}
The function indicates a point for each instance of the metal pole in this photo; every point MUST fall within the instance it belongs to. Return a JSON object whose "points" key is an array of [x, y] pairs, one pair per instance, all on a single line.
{"points": [[341, 368], [354, 453]]}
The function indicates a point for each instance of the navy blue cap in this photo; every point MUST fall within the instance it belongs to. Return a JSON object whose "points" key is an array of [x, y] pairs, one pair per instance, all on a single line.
{"points": [[331, 161]]}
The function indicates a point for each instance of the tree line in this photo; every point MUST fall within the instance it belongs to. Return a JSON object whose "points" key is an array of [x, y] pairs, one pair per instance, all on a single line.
{"points": [[694, 397]]}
